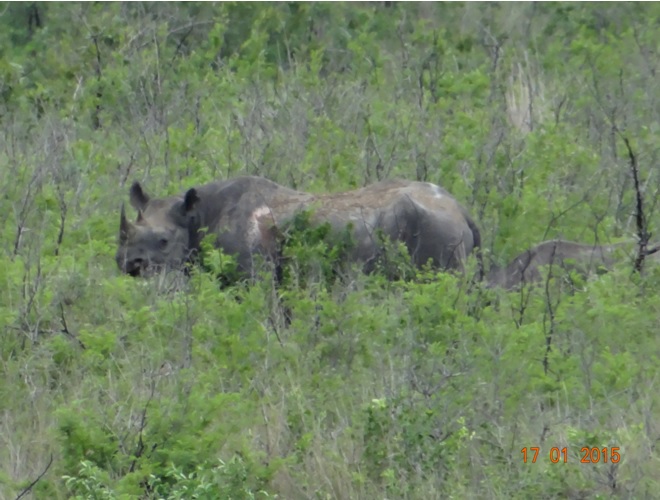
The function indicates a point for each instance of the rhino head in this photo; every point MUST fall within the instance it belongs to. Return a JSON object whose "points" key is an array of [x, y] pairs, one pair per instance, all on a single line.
{"points": [[164, 235]]}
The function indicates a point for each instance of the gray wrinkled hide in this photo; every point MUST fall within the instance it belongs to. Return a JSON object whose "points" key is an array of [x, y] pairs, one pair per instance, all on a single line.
{"points": [[246, 213], [565, 255]]}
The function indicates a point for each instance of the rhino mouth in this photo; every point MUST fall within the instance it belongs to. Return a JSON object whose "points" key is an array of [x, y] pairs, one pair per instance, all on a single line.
{"points": [[134, 272], [138, 268], [143, 269]]}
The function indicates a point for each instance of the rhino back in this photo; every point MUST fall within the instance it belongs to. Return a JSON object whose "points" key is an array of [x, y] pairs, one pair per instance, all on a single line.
{"points": [[429, 221], [240, 212], [567, 255]]}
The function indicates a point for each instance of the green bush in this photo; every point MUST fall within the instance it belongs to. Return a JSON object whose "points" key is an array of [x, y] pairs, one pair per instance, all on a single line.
{"points": [[406, 383]]}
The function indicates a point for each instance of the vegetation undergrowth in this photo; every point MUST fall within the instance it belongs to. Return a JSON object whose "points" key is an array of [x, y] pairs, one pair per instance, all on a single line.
{"points": [[335, 384]]}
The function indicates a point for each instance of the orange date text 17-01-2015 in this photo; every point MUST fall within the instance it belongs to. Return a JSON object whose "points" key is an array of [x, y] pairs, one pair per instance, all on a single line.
{"points": [[590, 455]]}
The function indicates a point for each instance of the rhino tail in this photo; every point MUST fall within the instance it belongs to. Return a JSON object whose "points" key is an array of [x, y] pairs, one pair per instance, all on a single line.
{"points": [[476, 238]]}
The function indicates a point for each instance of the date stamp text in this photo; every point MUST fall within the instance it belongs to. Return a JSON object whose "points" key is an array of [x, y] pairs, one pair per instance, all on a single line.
{"points": [[590, 455]]}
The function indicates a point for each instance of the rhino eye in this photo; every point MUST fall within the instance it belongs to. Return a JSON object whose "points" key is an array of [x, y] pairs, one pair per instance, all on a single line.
{"points": [[162, 243]]}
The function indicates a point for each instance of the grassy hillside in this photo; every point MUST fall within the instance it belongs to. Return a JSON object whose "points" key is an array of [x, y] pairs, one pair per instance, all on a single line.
{"points": [[114, 387]]}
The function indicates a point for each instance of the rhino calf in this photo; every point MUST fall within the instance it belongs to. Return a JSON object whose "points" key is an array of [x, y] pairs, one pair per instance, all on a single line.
{"points": [[245, 215], [566, 255]]}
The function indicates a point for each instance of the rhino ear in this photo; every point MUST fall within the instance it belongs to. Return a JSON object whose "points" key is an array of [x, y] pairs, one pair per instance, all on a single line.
{"points": [[190, 201], [125, 227], [139, 198]]}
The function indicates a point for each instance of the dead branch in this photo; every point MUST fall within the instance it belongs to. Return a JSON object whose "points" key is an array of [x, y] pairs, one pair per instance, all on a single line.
{"points": [[182, 41], [550, 313], [33, 483], [643, 235], [34, 18], [65, 329], [96, 118], [63, 212], [141, 446], [26, 207], [555, 218]]}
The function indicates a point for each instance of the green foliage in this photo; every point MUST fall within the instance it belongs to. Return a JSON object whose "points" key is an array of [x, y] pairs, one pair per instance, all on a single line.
{"points": [[403, 439], [224, 480], [313, 251], [217, 263], [404, 383]]}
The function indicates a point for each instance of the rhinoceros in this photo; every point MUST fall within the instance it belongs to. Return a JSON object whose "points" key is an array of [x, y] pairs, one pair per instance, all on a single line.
{"points": [[565, 255], [246, 216]]}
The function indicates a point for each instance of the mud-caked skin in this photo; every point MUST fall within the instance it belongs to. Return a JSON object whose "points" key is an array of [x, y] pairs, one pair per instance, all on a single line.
{"points": [[564, 255], [247, 215]]}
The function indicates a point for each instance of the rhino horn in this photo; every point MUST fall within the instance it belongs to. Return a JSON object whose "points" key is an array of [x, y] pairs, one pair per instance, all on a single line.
{"points": [[125, 227]]}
